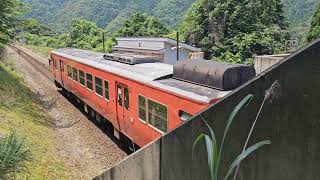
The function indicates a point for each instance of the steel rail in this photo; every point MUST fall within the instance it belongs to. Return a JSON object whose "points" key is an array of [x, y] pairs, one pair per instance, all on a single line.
{"points": [[42, 68]]}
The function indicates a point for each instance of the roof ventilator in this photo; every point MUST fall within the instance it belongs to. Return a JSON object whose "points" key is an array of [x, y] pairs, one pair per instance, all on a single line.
{"points": [[130, 58], [212, 74]]}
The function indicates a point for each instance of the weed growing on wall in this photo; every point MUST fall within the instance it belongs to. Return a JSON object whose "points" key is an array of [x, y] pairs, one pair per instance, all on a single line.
{"points": [[214, 151]]}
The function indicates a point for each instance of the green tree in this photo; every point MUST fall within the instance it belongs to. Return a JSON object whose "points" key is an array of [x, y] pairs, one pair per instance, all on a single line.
{"points": [[85, 34], [9, 10], [314, 32], [233, 30], [32, 26], [142, 25]]}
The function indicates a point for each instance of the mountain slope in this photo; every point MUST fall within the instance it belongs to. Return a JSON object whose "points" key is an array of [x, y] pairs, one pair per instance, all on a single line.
{"points": [[111, 13], [58, 13], [299, 14], [299, 11]]}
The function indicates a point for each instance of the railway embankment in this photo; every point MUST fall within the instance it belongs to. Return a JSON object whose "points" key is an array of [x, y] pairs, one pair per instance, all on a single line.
{"points": [[289, 119], [66, 144], [22, 113]]}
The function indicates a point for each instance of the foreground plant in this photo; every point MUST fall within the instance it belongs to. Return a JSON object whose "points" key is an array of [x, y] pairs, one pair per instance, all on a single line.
{"points": [[13, 155], [214, 155]]}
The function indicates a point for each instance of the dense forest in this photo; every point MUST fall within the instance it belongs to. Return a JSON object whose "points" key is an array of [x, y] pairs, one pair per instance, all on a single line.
{"points": [[232, 31], [299, 13], [112, 13], [106, 13], [314, 32]]}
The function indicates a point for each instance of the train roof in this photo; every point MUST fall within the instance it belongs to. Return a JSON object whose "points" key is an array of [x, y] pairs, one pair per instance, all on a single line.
{"points": [[154, 74]]}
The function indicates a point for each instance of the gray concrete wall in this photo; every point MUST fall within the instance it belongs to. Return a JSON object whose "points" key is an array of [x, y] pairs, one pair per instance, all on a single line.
{"points": [[144, 165], [291, 122], [261, 63]]}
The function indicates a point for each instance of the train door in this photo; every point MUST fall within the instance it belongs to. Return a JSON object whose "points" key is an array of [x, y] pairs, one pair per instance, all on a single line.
{"points": [[123, 107], [54, 68], [61, 71]]}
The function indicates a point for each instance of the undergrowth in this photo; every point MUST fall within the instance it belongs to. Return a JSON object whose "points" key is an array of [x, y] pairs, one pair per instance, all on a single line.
{"points": [[21, 112]]}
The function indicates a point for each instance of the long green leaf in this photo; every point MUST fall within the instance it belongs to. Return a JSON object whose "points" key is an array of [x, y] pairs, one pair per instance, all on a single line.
{"points": [[243, 155], [245, 101], [210, 152], [196, 142], [214, 150], [210, 155]]}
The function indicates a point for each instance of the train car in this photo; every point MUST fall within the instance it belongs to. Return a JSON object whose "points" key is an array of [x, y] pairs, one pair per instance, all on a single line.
{"points": [[141, 97]]}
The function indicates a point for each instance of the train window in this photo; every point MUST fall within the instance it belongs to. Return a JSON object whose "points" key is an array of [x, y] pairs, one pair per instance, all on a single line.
{"points": [[184, 116], [81, 78], [106, 90], [61, 66], [75, 74], [98, 83], [157, 115], [89, 81], [69, 71], [126, 98], [119, 95], [142, 108]]}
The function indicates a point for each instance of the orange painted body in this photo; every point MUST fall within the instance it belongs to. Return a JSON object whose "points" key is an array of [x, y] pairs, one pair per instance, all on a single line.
{"points": [[126, 121]]}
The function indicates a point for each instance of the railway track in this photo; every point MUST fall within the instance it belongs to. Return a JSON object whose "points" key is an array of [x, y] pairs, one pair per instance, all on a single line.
{"points": [[42, 68]]}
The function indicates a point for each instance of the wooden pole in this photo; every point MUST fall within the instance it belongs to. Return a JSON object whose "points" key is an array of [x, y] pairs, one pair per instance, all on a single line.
{"points": [[103, 39]]}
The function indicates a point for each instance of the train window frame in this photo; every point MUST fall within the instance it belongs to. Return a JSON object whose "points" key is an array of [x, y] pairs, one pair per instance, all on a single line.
{"points": [[145, 109], [184, 116], [83, 78], [91, 82], [75, 76], [126, 100], [167, 114], [100, 86], [119, 95], [106, 90], [69, 71]]}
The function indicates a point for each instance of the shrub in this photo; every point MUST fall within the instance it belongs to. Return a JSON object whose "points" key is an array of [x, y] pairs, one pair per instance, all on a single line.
{"points": [[13, 155]]}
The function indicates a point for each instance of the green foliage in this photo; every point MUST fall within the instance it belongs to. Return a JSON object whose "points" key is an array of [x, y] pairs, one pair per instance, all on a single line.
{"points": [[299, 13], [9, 10], [171, 11], [83, 34], [142, 25], [214, 151], [32, 26], [110, 13], [16, 102], [13, 155], [314, 32], [234, 31]]}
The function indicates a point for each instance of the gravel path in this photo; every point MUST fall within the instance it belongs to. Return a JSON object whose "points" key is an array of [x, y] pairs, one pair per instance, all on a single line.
{"points": [[86, 149]]}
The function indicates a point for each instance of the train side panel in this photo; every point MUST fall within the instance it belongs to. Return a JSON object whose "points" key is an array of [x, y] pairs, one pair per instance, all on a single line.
{"points": [[128, 122]]}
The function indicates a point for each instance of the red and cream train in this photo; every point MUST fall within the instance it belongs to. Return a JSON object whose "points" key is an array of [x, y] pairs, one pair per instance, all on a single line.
{"points": [[141, 97]]}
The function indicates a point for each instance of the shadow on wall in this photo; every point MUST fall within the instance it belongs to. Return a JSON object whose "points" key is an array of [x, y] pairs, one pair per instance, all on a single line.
{"points": [[291, 122]]}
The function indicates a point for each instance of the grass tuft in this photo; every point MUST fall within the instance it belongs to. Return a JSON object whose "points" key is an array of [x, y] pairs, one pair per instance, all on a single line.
{"points": [[13, 155]]}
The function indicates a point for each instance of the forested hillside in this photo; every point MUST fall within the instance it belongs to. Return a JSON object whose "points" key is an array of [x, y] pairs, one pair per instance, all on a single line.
{"points": [[299, 13], [112, 13], [106, 13]]}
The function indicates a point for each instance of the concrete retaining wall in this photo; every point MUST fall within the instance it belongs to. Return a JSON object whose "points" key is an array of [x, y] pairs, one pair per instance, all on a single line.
{"points": [[144, 165], [291, 122], [261, 63]]}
